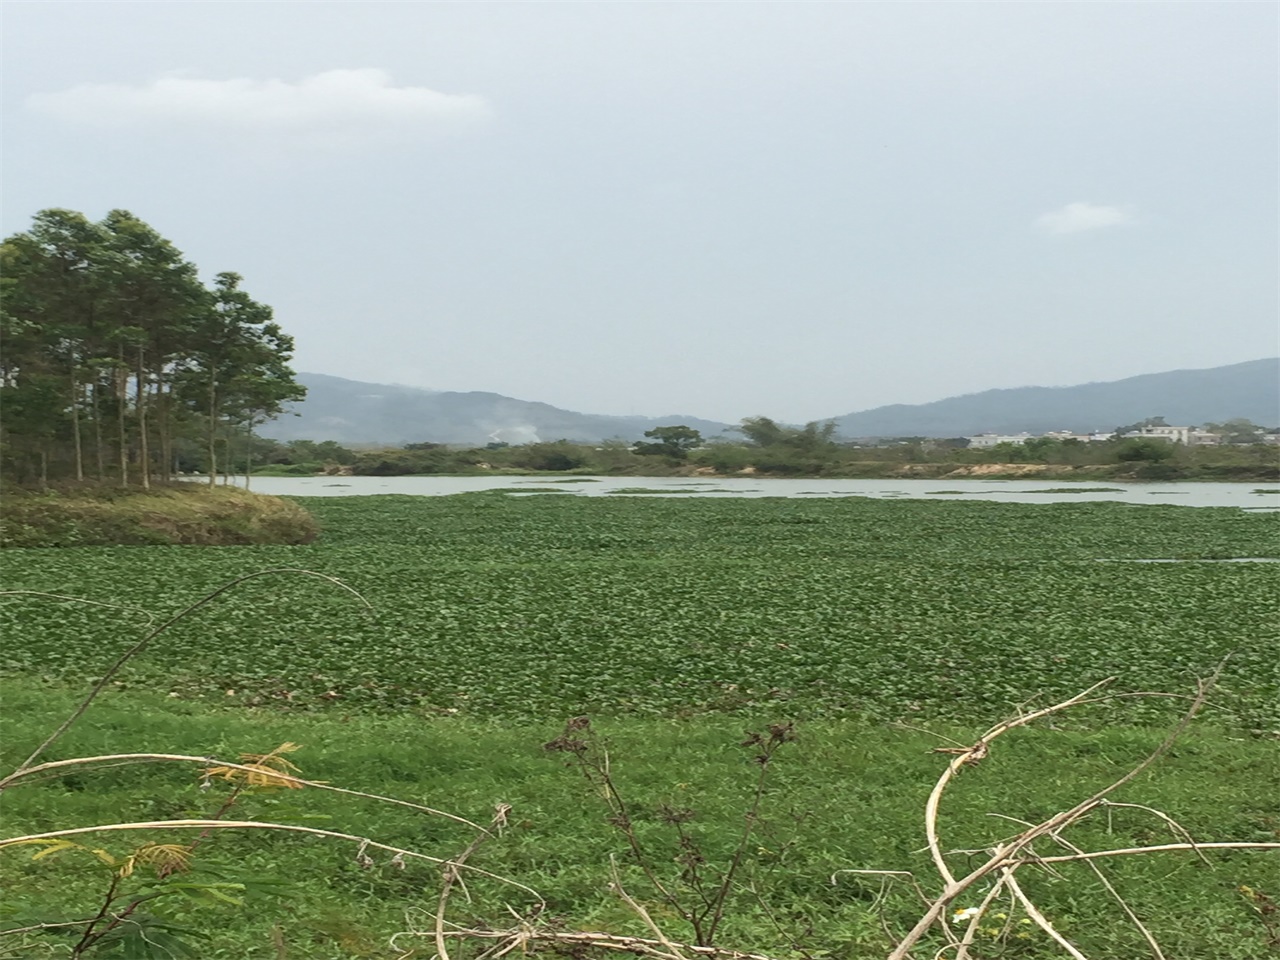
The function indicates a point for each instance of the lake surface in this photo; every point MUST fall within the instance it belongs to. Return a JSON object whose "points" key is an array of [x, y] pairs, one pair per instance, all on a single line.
{"points": [[1241, 495]]}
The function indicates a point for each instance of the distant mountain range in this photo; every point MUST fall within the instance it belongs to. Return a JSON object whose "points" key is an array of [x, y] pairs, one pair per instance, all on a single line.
{"points": [[349, 411], [1185, 397], [352, 412]]}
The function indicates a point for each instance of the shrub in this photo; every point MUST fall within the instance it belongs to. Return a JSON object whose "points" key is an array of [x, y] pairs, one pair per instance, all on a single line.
{"points": [[183, 513]]}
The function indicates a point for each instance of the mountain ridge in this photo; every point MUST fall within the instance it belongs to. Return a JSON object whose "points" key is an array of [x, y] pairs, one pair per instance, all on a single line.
{"points": [[354, 411], [1194, 396], [358, 412]]}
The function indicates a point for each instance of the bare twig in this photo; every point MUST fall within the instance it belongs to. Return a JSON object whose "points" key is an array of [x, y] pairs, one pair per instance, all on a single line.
{"points": [[640, 911], [283, 778], [451, 868], [1147, 935], [364, 842], [151, 635], [1158, 848], [1040, 919]]}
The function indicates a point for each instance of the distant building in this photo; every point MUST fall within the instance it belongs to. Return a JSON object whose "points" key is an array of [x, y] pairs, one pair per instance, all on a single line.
{"points": [[986, 440], [1094, 437], [1189, 436]]}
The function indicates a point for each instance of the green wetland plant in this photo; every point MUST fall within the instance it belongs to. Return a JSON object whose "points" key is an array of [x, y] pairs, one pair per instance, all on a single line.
{"points": [[681, 915], [494, 606]]}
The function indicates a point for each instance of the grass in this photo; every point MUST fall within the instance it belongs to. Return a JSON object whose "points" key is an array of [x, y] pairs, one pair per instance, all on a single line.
{"points": [[845, 795], [180, 513], [676, 624]]}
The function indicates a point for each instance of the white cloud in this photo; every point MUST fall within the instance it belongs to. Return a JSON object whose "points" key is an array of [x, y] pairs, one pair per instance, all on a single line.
{"points": [[1079, 217], [328, 102]]}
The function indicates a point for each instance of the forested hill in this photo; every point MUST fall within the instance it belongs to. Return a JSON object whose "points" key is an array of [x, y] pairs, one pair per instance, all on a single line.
{"points": [[1250, 390], [349, 411]]}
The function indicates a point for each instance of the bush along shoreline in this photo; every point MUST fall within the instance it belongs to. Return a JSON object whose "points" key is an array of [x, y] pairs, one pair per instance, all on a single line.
{"points": [[173, 514], [1115, 460]]}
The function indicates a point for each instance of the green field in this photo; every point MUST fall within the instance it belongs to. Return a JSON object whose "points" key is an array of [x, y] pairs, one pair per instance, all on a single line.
{"points": [[674, 624]]}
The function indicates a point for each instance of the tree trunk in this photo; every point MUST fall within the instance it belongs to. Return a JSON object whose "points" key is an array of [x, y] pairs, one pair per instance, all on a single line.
{"points": [[248, 453], [165, 460], [122, 433], [75, 424], [212, 434], [140, 406], [100, 452]]}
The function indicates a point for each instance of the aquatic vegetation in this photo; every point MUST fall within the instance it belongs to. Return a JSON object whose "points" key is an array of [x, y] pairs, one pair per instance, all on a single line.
{"points": [[494, 605]]}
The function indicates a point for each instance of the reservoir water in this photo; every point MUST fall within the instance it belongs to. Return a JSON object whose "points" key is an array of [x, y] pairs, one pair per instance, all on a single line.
{"points": [[1247, 496]]}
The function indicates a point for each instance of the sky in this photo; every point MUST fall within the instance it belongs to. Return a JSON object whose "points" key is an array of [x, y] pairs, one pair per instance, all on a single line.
{"points": [[796, 210]]}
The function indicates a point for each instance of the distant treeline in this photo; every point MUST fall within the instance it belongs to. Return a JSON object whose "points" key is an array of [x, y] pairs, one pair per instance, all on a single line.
{"points": [[769, 449], [119, 365]]}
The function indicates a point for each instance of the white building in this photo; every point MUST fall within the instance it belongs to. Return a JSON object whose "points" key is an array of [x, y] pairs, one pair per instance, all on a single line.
{"points": [[1184, 435], [986, 440]]}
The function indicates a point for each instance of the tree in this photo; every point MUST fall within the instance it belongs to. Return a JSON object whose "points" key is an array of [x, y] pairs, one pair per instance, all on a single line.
{"points": [[559, 455], [761, 431], [238, 374], [814, 437], [1238, 430], [1138, 450], [675, 442], [110, 340]]}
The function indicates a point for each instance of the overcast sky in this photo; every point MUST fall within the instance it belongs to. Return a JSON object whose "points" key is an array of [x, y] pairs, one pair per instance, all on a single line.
{"points": [[723, 209]]}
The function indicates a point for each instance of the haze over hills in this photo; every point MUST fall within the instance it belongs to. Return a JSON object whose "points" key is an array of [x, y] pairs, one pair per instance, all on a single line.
{"points": [[353, 412], [1188, 397]]}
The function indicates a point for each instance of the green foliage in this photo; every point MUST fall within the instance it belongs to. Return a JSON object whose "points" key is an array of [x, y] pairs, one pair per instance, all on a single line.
{"points": [[674, 623], [1139, 450], [809, 452], [810, 439], [674, 442], [560, 455], [1238, 430], [845, 795], [497, 606], [115, 354]]}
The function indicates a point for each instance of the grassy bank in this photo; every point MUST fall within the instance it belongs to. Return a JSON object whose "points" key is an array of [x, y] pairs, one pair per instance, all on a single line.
{"points": [[183, 513], [844, 795]]}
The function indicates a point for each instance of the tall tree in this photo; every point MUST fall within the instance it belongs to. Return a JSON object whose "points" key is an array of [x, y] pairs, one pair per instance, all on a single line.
{"points": [[107, 330]]}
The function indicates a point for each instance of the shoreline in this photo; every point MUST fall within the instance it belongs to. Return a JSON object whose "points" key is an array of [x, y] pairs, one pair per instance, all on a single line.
{"points": [[1112, 473]]}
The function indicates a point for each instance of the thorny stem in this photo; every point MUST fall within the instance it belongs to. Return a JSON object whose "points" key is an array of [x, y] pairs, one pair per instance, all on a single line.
{"points": [[87, 938], [170, 868], [769, 748], [119, 918], [598, 774]]}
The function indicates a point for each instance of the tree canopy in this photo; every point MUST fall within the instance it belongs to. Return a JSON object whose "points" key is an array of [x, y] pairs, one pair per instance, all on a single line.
{"points": [[675, 442], [115, 354]]}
